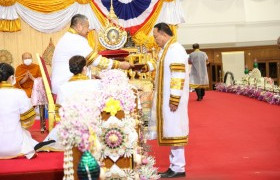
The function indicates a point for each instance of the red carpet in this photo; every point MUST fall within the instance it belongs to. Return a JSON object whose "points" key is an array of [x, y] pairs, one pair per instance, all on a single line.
{"points": [[231, 138]]}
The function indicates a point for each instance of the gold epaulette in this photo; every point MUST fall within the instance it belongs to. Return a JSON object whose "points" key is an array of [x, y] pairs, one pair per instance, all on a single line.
{"points": [[78, 77], [27, 119]]}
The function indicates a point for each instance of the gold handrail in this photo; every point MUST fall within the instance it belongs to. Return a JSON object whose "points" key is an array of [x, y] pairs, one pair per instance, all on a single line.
{"points": [[51, 105]]}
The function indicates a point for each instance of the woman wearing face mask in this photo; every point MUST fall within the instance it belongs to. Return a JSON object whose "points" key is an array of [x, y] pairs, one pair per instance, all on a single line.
{"points": [[26, 74], [16, 115]]}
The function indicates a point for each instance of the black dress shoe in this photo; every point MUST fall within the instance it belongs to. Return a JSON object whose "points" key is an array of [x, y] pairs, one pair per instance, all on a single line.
{"points": [[173, 174], [44, 143], [166, 172]]}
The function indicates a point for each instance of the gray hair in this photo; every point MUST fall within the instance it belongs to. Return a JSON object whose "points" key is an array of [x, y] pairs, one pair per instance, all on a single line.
{"points": [[78, 18]]}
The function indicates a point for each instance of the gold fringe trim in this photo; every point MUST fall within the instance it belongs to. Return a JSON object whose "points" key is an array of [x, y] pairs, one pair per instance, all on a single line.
{"points": [[10, 25]]}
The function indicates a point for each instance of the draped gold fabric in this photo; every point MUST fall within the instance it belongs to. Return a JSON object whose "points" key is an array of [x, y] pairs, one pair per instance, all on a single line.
{"points": [[83, 1], [174, 30], [49, 6], [7, 2], [10, 25], [147, 28], [91, 39], [46, 6], [98, 14]]}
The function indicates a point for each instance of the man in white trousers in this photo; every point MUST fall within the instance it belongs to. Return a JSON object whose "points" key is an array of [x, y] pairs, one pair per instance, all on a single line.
{"points": [[169, 121]]}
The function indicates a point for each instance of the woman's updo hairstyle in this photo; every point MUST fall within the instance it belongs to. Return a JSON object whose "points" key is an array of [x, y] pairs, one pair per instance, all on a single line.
{"points": [[76, 64], [6, 70]]}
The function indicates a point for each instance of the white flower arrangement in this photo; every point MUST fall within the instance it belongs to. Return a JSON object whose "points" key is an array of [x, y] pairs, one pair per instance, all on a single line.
{"points": [[115, 84], [147, 171], [81, 126], [79, 116], [118, 137]]}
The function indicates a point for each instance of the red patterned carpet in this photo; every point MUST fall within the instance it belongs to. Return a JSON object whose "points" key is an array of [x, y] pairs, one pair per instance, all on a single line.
{"points": [[231, 138]]}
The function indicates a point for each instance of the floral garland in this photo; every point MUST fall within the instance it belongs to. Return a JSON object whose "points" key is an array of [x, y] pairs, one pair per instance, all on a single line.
{"points": [[81, 126], [146, 170], [115, 84], [78, 120], [250, 91], [119, 137], [80, 114]]}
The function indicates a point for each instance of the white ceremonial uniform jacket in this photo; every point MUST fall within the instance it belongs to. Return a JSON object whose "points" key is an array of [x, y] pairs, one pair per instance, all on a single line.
{"points": [[72, 44], [66, 91], [14, 139], [198, 75], [171, 86]]}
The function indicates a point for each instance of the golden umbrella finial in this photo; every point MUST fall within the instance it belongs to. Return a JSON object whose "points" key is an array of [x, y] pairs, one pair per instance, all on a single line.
{"points": [[112, 14]]}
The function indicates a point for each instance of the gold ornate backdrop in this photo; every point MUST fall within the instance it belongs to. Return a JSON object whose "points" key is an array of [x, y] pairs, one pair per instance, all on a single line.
{"points": [[20, 37], [28, 39]]}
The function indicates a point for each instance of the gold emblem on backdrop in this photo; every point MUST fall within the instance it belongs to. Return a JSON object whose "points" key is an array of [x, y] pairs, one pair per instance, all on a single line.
{"points": [[112, 36]]}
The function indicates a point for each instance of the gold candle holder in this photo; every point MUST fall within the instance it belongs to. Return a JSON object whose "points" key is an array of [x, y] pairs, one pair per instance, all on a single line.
{"points": [[131, 74]]}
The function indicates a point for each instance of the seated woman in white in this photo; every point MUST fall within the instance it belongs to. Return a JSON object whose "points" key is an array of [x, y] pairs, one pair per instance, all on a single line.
{"points": [[16, 115], [79, 83]]}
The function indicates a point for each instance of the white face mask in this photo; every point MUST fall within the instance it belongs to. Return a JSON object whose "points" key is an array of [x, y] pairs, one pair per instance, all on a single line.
{"points": [[85, 71], [13, 80], [27, 62]]}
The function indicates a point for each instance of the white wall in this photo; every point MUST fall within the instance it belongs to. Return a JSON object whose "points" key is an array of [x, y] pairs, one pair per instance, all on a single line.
{"points": [[229, 23], [234, 62]]}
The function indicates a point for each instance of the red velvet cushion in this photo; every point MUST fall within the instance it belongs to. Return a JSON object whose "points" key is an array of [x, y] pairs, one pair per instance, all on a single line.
{"points": [[114, 53]]}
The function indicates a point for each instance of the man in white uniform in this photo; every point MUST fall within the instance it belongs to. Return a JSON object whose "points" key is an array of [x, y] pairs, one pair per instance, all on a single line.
{"points": [[73, 43], [77, 84], [16, 115], [199, 76], [169, 121]]}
